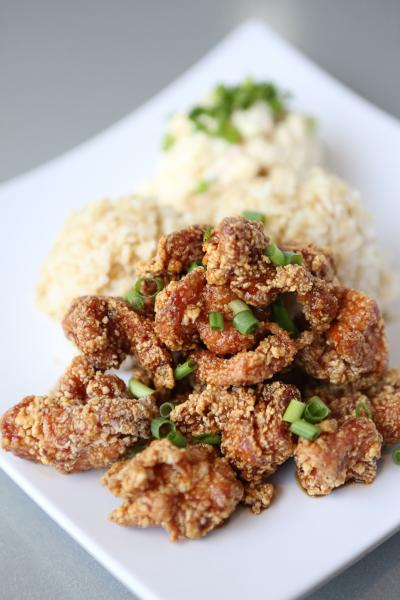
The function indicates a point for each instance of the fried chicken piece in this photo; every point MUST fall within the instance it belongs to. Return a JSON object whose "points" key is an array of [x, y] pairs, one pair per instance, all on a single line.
{"points": [[349, 453], [318, 260], [258, 496], [187, 491], [107, 329], [87, 423], [273, 353], [382, 398], [354, 347], [254, 438], [175, 252]]}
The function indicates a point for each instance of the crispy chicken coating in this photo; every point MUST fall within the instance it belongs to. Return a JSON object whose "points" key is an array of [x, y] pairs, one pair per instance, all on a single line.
{"points": [[273, 353], [354, 347], [175, 252], [106, 330], [187, 491], [348, 453], [382, 398], [87, 423], [254, 438], [258, 496]]}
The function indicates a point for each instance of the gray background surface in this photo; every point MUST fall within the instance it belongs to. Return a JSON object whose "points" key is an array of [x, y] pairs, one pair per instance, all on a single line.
{"points": [[70, 69]]}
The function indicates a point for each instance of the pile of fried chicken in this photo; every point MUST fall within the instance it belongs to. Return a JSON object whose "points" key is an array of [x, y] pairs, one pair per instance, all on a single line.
{"points": [[330, 344]]}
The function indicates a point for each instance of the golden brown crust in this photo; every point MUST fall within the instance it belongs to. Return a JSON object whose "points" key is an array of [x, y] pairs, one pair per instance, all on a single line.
{"points": [[348, 453], [187, 491], [107, 329], [258, 496]]}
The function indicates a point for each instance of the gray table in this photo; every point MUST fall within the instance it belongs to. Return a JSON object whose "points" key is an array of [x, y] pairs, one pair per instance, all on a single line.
{"points": [[67, 70]]}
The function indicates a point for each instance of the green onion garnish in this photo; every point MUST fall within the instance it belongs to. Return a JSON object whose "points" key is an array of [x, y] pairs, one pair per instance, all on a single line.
{"points": [[216, 320], [294, 411], [134, 299], [168, 142], [363, 410], [166, 408], [207, 235], [396, 455], [316, 410], [305, 430], [155, 280], [134, 451], [138, 389], [281, 316], [246, 323], [280, 258], [208, 438], [194, 264], [176, 438], [202, 186], [161, 427], [185, 369], [253, 216], [237, 306]]}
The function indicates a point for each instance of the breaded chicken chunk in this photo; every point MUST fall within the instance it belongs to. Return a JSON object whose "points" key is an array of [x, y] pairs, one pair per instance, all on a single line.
{"points": [[188, 491], [254, 438], [349, 452], [258, 496], [88, 422]]}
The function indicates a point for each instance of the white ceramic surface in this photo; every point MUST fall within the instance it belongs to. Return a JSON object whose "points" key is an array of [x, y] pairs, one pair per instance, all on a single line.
{"points": [[299, 542]]}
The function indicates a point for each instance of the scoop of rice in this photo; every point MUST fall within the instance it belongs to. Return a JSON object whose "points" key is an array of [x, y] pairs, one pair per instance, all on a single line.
{"points": [[97, 249]]}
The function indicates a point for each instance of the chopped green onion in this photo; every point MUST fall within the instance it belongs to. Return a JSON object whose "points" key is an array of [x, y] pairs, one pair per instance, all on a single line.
{"points": [[216, 320], [168, 142], [207, 235], [237, 306], [166, 408], [134, 299], [396, 455], [208, 438], [202, 186], [292, 258], [194, 264], [156, 280], [294, 411], [138, 389], [253, 216], [281, 316], [176, 438], [246, 323], [305, 430], [161, 427], [185, 369], [275, 255], [363, 410], [316, 410]]}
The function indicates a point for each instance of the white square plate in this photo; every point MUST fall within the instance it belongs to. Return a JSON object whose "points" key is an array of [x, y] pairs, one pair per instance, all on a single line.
{"points": [[300, 541]]}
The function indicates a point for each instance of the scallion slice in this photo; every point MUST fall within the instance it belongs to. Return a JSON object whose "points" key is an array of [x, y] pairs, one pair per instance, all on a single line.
{"points": [[161, 427], [275, 255], [185, 369], [138, 389], [207, 235], [305, 430], [396, 455], [208, 438], [166, 408], [134, 299], [155, 280], [194, 264], [252, 215], [316, 410], [281, 316], [363, 410], [246, 323], [177, 438], [216, 321], [237, 306], [292, 258], [294, 411]]}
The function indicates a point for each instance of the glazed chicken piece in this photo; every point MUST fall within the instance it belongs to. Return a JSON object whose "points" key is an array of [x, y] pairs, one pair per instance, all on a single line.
{"points": [[88, 422], [254, 438], [187, 491], [382, 399], [175, 253], [353, 348], [107, 329], [348, 453]]}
